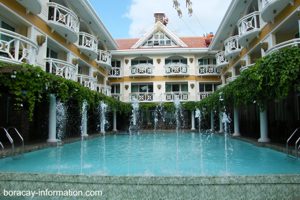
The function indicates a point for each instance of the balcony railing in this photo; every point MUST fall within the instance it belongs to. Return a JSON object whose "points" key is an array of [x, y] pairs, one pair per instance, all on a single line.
{"points": [[269, 6], [142, 69], [34, 6], [106, 90], [203, 95], [116, 96], [64, 21], [182, 96], [61, 68], [104, 58], [15, 48], [290, 43], [232, 47], [115, 72], [87, 81], [249, 27], [221, 60], [176, 69], [246, 67], [208, 70], [230, 79], [142, 96], [88, 44]]}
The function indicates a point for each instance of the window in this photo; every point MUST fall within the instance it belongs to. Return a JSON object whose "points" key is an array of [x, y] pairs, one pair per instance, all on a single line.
{"points": [[203, 61], [116, 63], [159, 39], [51, 53], [176, 60], [143, 87], [137, 61], [7, 27], [207, 87], [115, 89], [174, 87]]}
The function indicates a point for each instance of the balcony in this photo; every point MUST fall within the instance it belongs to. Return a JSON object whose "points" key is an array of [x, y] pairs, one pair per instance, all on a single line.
{"points": [[246, 67], [182, 96], [88, 45], [208, 70], [115, 72], [64, 21], [203, 95], [104, 59], [221, 60], [61, 68], [142, 69], [289, 43], [87, 81], [16, 48], [271, 8], [232, 47], [231, 79], [176, 69], [142, 96], [105, 90], [34, 6], [116, 96], [249, 27]]}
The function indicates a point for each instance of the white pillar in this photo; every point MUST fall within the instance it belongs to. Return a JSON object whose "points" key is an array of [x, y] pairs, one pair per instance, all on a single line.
{"points": [[212, 122], [263, 126], [115, 121], [236, 121], [193, 120], [220, 122], [84, 123], [52, 119]]}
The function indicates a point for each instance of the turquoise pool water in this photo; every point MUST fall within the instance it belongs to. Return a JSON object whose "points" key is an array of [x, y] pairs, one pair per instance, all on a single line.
{"points": [[161, 154]]}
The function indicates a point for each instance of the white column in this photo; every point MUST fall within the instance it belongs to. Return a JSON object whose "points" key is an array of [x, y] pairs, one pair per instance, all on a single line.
{"points": [[84, 123], [212, 122], [52, 119], [236, 121], [220, 122], [115, 121], [193, 120], [263, 126], [223, 79]]}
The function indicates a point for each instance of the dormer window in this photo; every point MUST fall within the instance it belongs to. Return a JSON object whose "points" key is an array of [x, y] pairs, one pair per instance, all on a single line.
{"points": [[159, 39]]}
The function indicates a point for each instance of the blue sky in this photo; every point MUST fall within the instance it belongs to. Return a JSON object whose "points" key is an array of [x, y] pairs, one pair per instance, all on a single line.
{"points": [[133, 18]]}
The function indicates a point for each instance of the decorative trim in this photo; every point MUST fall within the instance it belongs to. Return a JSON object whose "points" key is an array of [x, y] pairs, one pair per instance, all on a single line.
{"points": [[191, 60], [126, 87], [158, 60], [265, 46], [159, 86], [126, 61], [40, 39]]}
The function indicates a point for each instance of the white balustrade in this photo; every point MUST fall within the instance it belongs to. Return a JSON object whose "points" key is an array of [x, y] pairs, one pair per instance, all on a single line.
{"points": [[176, 69], [271, 8], [289, 43], [246, 67], [142, 96], [232, 47], [115, 72], [249, 27], [230, 79], [221, 60], [63, 16], [16, 48], [142, 69], [104, 58], [116, 96], [87, 81], [61, 68], [182, 96], [208, 70], [88, 42], [203, 95]]}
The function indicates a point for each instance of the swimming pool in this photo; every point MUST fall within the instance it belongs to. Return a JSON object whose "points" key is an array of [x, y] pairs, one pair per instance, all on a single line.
{"points": [[160, 154]]}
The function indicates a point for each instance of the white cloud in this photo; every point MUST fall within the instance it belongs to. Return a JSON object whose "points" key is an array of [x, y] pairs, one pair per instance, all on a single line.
{"points": [[207, 16]]}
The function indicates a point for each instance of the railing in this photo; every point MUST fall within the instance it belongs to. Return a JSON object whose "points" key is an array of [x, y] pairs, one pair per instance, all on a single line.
{"points": [[15, 130], [142, 96], [289, 43], [9, 138], [61, 68], [15, 48], [106, 90], [230, 79], [116, 96], [246, 67], [232, 46], [296, 143], [63, 16], [104, 57], [221, 60], [182, 96], [249, 23], [176, 69], [115, 72], [203, 95], [142, 69], [88, 41], [87, 81], [208, 70]]}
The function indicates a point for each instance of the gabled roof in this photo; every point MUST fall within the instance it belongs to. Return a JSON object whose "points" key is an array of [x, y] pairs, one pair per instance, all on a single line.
{"points": [[159, 27]]}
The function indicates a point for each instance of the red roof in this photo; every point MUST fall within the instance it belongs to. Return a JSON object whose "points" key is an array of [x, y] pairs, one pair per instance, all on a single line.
{"points": [[191, 42]]}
